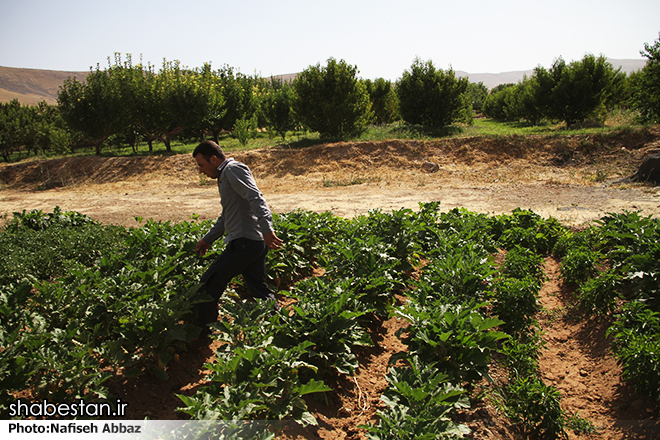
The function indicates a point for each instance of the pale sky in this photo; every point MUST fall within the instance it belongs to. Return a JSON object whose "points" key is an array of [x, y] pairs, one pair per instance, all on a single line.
{"points": [[382, 38]]}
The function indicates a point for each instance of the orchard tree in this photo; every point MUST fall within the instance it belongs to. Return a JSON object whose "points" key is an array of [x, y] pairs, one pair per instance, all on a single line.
{"points": [[332, 100], [383, 100], [176, 101], [238, 99], [502, 104], [215, 109], [575, 92], [499, 87], [93, 108], [528, 106], [276, 107], [431, 97], [132, 84], [125, 99], [44, 129], [31, 128], [477, 94], [161, 105], [514, 102], [12, 121], [647, 84]]}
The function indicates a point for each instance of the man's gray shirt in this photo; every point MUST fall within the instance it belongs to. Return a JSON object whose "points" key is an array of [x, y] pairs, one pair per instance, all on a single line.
{"points": [[245, 213]]}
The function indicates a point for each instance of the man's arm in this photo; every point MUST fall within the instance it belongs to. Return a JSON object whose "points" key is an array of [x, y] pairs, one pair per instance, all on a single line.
{"points": [[272, 240], [214, 233], [201, 248]]}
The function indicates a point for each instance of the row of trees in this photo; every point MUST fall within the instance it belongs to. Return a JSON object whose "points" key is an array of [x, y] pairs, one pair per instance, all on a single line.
{"points": [[35, 129], [579, 91], [128, 103], [566, 92], [134, 102]]}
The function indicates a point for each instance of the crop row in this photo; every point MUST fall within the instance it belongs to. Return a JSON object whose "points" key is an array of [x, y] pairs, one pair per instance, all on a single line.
{"points": [[82, 304]]}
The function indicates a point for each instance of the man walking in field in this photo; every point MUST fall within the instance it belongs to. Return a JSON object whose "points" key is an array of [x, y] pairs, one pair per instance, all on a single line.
{"points": [[248, 223]]}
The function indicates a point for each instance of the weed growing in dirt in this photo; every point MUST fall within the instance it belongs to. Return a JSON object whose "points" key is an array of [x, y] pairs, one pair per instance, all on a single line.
{"points": [[580, 425], [353, 180]]}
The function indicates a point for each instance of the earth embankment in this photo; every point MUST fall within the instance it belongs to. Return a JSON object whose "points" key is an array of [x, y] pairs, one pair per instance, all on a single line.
{"points": [[575, 179]]}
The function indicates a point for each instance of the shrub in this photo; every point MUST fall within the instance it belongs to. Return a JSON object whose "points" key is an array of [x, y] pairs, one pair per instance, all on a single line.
{"points": [[431, 97], [598, 295], [579, 265], [331, 100], [457, 338], [637, 347], [516, 303], [536, 406], [419, 402]]}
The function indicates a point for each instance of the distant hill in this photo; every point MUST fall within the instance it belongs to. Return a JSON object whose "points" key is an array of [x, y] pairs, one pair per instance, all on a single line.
{"points": [[491, 80], [30, 86]]}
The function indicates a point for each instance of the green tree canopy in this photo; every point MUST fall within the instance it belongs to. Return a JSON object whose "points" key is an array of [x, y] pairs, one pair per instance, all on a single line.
{"points": [[93, 107], [239, 99], [431, 97], [31, 128], [647, 84], [11, 123], [276, 107], [477, 93], [383, 100], [503, 104], [177, 100], [514, 102], [332, 100], [576, 91], [125, 97], [216, 110]]}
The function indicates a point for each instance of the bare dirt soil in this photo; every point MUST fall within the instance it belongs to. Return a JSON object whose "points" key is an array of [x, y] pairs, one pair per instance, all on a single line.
{"points": [[575, 179], [569, 178], [578, 361]]}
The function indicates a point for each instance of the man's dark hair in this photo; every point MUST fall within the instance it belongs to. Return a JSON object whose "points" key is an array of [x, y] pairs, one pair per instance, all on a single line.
{"points": [[208, 149]]}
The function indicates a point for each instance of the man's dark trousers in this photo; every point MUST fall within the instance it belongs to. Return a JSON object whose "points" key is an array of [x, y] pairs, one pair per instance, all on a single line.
{"points": [[240, 257]]}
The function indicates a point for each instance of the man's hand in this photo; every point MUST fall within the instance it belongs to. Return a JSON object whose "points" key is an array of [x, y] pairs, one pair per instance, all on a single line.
{"points": [[272, 240], [201, 248]]}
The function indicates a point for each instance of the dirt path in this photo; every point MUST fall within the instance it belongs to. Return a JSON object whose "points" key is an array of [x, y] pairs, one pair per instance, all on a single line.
{"points": [[177, 199], [578, 361], [568, 178]]}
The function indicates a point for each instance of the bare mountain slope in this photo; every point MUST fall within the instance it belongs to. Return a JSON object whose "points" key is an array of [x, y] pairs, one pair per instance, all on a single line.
{"points": [[491, 80], [30, 86]]}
